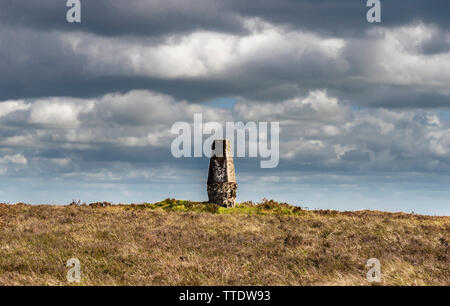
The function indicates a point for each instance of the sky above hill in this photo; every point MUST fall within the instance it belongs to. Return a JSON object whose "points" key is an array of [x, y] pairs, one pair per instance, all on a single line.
{"points": [[86, 108]]}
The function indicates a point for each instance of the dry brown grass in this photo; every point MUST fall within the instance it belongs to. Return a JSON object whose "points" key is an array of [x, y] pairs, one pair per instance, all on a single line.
{"points": [[138, 245]]}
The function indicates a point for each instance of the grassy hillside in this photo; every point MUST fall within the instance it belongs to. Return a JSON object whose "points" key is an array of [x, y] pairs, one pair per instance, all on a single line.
{"points": [[187, 243]]}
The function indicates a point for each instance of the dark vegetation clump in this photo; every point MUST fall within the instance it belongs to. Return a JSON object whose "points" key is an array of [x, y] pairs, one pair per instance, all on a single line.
{"points": [[265, 206], [100, 204], [273, 206]]}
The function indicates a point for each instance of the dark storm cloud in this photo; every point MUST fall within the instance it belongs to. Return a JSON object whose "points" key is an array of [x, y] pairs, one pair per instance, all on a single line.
{"points": [[400, 97], [37, 61], [131, 17], [161, 17], [343, 17]]}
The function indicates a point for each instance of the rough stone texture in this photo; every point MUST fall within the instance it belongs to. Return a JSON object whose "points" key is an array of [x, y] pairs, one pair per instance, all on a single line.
{"points": [[223, 194], [222, 185]]}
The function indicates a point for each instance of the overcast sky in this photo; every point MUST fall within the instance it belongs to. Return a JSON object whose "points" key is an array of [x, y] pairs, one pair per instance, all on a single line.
{"points": [[364, 109]]}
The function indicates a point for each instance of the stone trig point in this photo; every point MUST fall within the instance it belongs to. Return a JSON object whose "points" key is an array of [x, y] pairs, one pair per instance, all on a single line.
{"points": [[221, 177]]}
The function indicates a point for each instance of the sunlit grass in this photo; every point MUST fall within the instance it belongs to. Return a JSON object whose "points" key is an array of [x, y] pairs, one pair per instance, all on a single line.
{"points": [[176, 242]]}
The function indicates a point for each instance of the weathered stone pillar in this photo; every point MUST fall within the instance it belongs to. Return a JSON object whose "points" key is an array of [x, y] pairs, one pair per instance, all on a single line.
{"points": [[221, 177]]}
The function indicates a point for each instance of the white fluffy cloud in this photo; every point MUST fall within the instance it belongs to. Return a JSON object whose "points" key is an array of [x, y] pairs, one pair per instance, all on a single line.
{"points": [[396, 56], [391, 56], [140, 107], [136, 119], [61, 112], [316, 108], [317, 130], [13, 159], [7, 107], [201, 53]]}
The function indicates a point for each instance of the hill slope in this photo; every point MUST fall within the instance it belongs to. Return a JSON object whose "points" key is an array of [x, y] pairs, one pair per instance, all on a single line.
{"points": [[187, 243]]}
